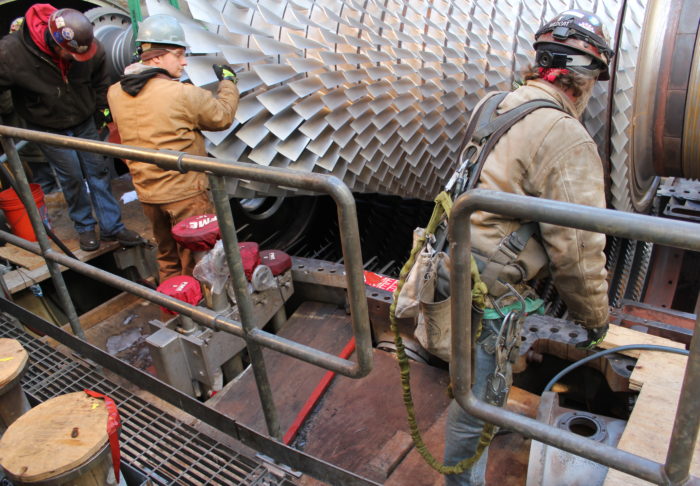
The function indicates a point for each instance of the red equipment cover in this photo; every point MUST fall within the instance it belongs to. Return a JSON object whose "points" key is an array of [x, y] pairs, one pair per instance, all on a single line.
{"points": [[277, 260], [114, 424], [182, 287], [250, 256], [197, 233]]}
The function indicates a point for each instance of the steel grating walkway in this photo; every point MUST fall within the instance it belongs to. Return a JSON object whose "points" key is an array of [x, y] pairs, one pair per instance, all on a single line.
{"points": [[161, 448]]}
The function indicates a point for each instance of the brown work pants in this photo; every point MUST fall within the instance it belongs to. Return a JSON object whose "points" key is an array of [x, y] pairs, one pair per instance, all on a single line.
{"points": [[172, 258]]}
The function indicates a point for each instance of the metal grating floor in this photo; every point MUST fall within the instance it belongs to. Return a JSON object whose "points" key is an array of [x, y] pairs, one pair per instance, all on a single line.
{"points": [[161, 448]]}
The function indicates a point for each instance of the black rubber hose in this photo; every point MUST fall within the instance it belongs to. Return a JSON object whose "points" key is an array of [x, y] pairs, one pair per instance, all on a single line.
{"points": [[648, 347]]}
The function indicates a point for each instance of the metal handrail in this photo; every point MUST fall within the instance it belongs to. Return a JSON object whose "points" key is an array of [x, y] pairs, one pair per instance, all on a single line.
{"points": [[217, 170], [675, 471]]}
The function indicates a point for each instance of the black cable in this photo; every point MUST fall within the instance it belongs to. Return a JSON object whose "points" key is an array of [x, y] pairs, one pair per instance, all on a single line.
{"points": [[648, 347], [6, 173]]}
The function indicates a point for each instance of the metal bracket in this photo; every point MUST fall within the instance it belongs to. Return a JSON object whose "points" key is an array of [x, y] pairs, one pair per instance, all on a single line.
{"points": [[140, 257]]}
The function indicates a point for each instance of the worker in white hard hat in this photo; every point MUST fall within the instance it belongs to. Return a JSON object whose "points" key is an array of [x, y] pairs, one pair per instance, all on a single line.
{"points": [[153, 109]]}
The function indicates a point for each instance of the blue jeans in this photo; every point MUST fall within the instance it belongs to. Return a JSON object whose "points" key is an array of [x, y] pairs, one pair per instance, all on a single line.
{"points": [[42, 174], [73, 168], [462, 431]]}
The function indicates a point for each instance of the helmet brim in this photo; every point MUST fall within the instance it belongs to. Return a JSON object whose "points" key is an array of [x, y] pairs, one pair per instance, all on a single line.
{"points": [[87, 55]]}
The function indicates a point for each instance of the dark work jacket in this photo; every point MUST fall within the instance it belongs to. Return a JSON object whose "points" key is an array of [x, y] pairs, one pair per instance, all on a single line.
{"points": [[40, 94]]}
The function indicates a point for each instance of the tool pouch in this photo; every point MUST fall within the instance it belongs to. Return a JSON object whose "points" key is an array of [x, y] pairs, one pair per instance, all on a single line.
{"points": [[419, 279], [433, 329]]}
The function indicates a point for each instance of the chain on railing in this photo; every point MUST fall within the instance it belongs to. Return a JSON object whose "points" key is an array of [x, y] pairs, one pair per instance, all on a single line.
{"points": [[675, 471]]}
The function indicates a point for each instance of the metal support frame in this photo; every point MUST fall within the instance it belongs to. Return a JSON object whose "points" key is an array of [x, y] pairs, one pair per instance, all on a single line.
{"points": [[180, 161], [665, 272], [675, 471], [25, 194], [141, 258], [201, 352]]}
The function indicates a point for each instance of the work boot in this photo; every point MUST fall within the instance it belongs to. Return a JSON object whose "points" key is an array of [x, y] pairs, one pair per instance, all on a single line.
{"points": [[88, 240], [125, 237]]}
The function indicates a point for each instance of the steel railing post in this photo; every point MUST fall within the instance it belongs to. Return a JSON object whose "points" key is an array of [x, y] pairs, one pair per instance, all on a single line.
{"points": [[25, 194], [687, 423], [240, 288]]}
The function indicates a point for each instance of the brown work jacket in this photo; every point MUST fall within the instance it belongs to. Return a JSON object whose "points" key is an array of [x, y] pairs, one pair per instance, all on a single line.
{"points": [[549, 154], [168, 114]]}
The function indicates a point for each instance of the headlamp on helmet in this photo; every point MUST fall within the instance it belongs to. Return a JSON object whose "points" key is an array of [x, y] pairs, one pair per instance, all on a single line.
{"points": [[583, 38]]}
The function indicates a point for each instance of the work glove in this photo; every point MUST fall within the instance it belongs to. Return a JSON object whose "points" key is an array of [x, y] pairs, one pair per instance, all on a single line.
{"points": [[595, 336], [224, 71], [102, 118]]}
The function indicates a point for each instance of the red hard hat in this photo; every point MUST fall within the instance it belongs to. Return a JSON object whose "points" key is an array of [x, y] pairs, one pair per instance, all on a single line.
{"points": [[72, 31], [576, 31]]}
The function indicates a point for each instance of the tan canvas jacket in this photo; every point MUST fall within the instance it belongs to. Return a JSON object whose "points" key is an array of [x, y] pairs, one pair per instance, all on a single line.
{"points": [[549, 154], [167, 114]]}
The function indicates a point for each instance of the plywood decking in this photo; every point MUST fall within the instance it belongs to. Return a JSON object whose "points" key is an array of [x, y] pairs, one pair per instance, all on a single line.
{"points": [[659, 377]]}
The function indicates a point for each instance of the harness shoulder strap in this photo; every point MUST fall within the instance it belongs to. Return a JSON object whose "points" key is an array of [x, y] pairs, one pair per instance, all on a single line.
{"points": [[510, 117], [483, 117], [491, 132]]}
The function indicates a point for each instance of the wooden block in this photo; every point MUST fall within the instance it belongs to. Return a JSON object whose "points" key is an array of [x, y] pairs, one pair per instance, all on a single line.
{"points": [[392, 453], [21, 257], [621, 336], [523, 402], [54, 437], [653, 366], [13, 358]]}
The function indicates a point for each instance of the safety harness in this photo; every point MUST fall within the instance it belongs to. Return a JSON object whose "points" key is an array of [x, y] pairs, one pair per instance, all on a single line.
{"points": [[483, 132]]}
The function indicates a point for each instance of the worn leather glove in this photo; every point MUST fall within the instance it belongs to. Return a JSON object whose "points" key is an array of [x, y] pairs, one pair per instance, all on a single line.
{"points": [[595, 337], [102, 118], [224, 71]]}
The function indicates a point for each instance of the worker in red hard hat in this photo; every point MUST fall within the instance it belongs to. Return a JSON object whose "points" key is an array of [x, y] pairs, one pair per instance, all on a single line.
{"points": [[548, 154], [57, 73]]}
